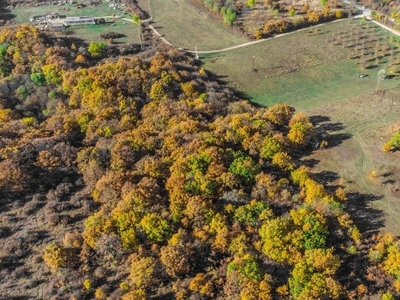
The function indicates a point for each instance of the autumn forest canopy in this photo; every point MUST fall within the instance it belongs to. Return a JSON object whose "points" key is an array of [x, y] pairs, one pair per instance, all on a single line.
{"points": [[146, 178]]}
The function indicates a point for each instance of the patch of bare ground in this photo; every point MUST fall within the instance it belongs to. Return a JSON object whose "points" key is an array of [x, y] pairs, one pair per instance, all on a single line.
{"points": [[27, 225]]}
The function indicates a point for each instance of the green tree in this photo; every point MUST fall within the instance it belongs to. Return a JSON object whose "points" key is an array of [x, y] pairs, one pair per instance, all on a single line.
{"points": [[270, 147], [136, 19], [311, 277], [52, 74], [247, 266], [38, 78], [96, 48], [393, 143], [155, 227], [244, 167], [253, 213], [387, 296], [228, 14], [4, 68]]}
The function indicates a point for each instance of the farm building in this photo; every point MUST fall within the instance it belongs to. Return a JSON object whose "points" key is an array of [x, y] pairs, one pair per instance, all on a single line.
{"points": [[81, 20]]}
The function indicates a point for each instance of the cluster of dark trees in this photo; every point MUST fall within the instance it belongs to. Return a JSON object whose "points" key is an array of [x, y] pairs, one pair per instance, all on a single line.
{"points": [[147, 179]]}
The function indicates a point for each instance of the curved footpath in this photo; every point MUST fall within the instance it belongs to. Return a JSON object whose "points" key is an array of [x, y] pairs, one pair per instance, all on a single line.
{"points": [[365, 13]]}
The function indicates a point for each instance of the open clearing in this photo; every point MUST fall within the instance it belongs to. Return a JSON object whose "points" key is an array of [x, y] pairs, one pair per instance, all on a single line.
{"points": [[187, 26], [359, 127], [311, 67], [93, 32]]}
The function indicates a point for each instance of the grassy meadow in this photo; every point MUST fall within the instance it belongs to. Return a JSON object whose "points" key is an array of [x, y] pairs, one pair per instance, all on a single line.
{"points": [[311, 67], [358, 128], [187, 26], [92, 32]]}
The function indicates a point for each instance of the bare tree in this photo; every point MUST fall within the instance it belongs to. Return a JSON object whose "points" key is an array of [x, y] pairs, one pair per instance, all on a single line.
{"points": [[381, 76]]}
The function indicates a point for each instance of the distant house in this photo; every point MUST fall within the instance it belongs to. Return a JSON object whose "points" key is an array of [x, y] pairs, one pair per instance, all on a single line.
{"points": [[81, 20]]}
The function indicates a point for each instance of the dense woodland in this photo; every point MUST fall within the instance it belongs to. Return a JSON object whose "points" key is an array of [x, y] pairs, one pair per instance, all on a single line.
{"points": [[148, 179]]}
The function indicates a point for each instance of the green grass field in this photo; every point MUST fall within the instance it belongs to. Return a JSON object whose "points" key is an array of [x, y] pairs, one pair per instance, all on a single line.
{"points": [[93, 32], [307, 68], [186, 26]]}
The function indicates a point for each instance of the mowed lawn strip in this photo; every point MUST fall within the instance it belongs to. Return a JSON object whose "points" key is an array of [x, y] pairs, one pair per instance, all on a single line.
{"points": [[187, 26]]}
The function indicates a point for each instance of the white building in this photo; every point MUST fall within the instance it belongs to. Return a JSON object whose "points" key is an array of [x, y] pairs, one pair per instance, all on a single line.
{"points": [[81, 20]]}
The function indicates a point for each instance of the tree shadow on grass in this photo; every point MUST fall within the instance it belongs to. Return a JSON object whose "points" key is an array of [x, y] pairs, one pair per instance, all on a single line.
{"points": [[310, 163], [326, 131], [326, 177], [369, 220], [237, 93], [335, 140], [5, 13]]}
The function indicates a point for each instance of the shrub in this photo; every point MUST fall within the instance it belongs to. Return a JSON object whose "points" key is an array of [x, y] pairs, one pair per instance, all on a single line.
{"points": [[54, 256], [38, 79], [95, 49]]}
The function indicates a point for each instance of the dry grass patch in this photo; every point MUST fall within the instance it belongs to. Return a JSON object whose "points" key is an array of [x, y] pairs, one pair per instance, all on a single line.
{"points": [[187, 26], [359, 159]]}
